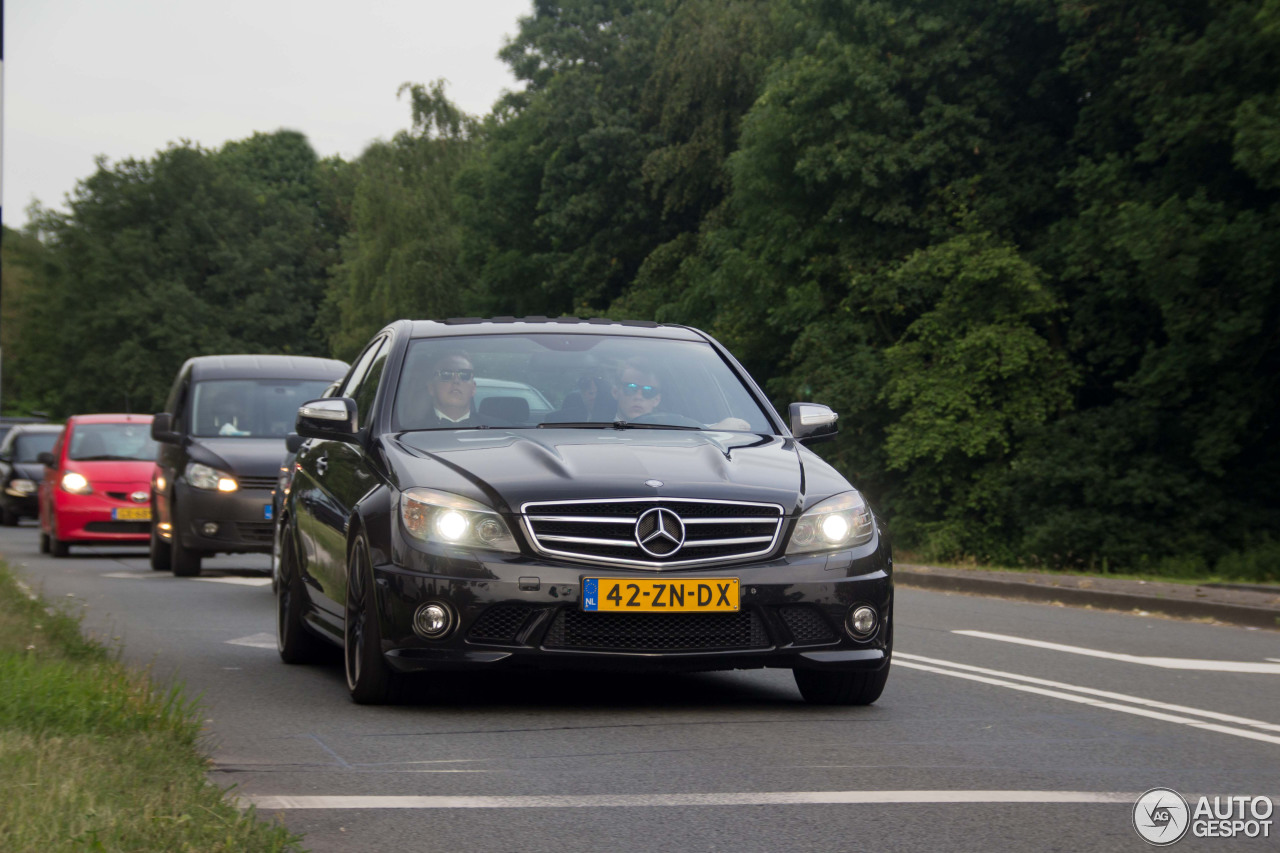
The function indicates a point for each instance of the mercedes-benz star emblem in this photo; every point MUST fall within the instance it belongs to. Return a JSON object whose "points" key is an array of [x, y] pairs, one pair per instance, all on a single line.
{"points": [[659, 532], [140, 497]]}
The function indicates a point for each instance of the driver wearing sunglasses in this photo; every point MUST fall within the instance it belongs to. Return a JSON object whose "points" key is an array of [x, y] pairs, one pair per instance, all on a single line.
{"points": [[452, 387], [638, 392]]}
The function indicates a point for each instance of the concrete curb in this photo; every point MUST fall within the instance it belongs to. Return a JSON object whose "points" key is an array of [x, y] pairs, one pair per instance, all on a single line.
{"points": [[1235, 614]]}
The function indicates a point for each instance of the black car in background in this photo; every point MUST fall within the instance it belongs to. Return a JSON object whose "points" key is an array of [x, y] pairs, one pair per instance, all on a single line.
{"points": [[681, 526], [222, 436], [20, 470]]}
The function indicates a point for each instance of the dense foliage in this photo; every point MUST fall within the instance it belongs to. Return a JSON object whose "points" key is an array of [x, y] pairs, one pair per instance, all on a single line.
{"points": [[1029, 250]]}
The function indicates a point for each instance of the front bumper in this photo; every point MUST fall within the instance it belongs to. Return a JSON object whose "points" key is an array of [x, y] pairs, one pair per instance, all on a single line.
{"points": [[91, 518], [243, 519], [525, 612]]}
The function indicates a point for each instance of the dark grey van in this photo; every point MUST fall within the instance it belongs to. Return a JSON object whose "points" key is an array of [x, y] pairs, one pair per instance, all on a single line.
{"points": [[222, 437]]}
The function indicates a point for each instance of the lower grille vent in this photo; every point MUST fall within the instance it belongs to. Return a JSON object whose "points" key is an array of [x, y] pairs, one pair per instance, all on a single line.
{"points": [[499, 624], [806, 624], [658, 632]]}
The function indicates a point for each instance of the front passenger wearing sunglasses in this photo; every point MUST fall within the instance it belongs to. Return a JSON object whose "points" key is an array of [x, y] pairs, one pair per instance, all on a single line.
{"points": [[639, 393]]}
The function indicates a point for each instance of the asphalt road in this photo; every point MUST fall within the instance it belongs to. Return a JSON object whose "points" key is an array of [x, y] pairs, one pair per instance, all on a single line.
{"points": [[1036, 733]]}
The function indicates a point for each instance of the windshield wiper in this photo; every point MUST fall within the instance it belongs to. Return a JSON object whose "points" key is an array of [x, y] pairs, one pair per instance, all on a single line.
{"points": [[107, 457], [611, 425]]}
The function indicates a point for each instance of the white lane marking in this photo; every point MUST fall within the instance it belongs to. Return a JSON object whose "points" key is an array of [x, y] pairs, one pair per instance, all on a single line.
{"points": [[1273, 660], [1164, 663], [133, 576], [239, 581], [1085, 700], [257, 641], [767, 798], [1106, 694]]}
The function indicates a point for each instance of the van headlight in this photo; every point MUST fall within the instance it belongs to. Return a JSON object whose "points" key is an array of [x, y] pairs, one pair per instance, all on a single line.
{"points": [[839, 522], [204, 477], [454, 520]]}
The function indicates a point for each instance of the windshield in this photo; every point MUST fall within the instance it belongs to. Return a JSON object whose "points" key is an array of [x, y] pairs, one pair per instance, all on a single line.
{"points": [[28, 445], [250, 408], [112, 441], [580, 381]]}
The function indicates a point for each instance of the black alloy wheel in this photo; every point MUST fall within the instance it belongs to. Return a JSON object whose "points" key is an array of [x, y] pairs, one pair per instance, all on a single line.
{"points": [[160, 553], [184, 562], [57, 547], [294, 640], [369, 679], [819, 687]]}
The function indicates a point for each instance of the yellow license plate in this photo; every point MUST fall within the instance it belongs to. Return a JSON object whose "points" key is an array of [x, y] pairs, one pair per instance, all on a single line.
{"points": [[644, 595], [131, 513]]}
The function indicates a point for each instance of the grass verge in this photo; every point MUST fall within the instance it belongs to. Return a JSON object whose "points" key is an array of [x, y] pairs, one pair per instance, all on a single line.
{"points": [[94, 757]]}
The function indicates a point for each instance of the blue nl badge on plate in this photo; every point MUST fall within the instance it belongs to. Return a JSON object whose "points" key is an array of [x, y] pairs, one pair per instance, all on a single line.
{"points": [[266, 512], [590, 594]]}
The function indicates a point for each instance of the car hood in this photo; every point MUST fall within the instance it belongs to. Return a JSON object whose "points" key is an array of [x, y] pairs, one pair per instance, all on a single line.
{"points": [[133, 473], [506, 468], [246, 457], [28, 471]]}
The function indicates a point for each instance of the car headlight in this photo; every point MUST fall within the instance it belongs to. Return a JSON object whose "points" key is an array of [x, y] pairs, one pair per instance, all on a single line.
{"points": [[20, 487], [838, 522], [454, 520], [204, 477], [76, 484]]}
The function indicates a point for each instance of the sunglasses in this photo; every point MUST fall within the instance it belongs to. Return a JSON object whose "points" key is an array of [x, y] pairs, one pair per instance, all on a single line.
{"points": [[455, 375], [649, 391]]}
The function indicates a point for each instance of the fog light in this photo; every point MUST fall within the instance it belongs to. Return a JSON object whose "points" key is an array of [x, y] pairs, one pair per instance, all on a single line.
{"points": [[210, 528], [862, 622], [432, 621]]}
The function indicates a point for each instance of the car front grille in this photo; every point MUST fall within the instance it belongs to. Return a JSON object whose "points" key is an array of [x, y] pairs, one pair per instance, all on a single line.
{"points": [[259, 532], [656, 632], [118, 527], [611, 531], [267, 483]]}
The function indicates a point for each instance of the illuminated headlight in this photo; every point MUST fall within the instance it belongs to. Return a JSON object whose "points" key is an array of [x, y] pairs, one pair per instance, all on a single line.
{"points": [[76, 484], [21, 488], [454, 520], [204, 477], [839, 522]]}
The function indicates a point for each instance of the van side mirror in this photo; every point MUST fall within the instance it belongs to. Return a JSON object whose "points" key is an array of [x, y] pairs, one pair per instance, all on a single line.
{"points": [[162, 429], [46, 459], [812, 422], [329, 418]]}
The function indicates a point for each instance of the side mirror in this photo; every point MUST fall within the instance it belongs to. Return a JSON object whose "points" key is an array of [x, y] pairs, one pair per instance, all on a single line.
{"points": [[329, 418], [46, 459], [162, 429], [292, 442], [812, 422]]}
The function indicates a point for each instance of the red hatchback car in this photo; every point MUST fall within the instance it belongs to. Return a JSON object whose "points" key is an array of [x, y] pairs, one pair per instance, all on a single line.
{"points": [[97, 483]]}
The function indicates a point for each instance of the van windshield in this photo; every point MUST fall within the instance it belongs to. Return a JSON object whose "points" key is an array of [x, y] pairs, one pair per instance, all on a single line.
{"points": [[250, 408]]}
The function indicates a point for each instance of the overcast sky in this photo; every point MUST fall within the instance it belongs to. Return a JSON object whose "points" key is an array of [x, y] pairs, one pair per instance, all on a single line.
{"points": [[125, 78]]}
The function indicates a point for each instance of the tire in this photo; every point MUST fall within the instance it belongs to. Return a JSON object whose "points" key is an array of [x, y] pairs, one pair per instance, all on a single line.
{"points": [[58, 547], [44, 542], [10, 518], [161, 555], [184, 562], [294, 640], [369, 679], [825, 687]]}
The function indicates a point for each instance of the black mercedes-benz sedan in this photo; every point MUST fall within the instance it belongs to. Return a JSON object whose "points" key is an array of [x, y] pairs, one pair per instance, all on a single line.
{"points": [[661, 517]]}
